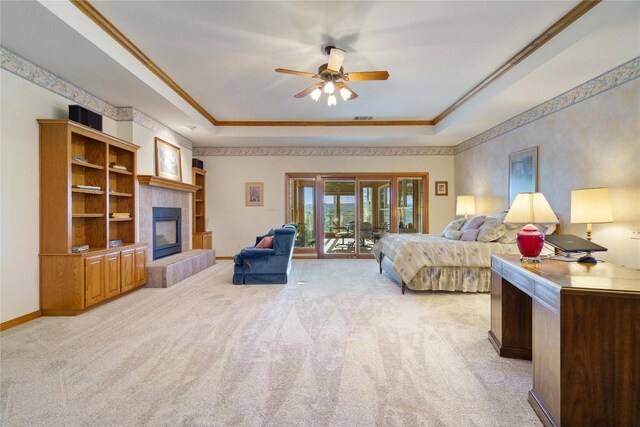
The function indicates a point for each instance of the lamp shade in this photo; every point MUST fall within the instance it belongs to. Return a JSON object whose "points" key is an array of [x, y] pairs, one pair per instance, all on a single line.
{"points": [[531, 208], [466, 205], [591, 206]]}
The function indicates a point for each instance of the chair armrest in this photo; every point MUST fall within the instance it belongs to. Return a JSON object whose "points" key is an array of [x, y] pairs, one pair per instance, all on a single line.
{"points": [[248, 253]]}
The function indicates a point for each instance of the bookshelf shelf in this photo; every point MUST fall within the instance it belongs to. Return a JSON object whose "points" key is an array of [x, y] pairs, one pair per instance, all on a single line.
{"points": [[87, 165], [120, 219], [88, 215], [112, 170], [118, 194], [202, 239], [84, 191]]}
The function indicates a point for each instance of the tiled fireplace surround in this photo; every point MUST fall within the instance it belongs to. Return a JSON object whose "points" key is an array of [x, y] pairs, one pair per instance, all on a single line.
{"points": [[150, 197]]}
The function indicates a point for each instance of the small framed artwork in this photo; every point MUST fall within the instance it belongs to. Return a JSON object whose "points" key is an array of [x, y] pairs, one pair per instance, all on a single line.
{"points": [[254, 194], [523, 172], [168, 161], [442, 188]]}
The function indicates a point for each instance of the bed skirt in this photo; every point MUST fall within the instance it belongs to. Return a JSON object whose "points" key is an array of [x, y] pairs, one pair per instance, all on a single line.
{"points": [[452, 279]]}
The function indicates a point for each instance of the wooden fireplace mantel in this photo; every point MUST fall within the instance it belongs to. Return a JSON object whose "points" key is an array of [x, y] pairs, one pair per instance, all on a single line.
{"points": [[156, 181]]}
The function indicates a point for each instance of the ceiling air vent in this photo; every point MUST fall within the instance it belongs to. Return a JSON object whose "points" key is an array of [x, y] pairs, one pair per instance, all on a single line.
{"points": [[363, 118]]}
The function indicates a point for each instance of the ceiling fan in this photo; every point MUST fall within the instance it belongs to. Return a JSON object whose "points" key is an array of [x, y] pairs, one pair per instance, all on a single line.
{"points": [[333, 78]]}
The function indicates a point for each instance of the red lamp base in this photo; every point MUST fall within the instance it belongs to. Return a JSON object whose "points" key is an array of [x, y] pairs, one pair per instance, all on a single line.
{"points": [[530, 242]]}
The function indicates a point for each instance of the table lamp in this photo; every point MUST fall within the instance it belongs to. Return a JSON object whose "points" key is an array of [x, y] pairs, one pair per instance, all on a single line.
{"points": [[591, 206], [530, 208], [466, 205]]}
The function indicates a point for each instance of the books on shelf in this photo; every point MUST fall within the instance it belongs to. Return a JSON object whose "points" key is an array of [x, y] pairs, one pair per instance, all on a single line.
{"points": [[79, 159], [79, 248], [113, 243], [116, 165], [120, 215], [87, 187]]}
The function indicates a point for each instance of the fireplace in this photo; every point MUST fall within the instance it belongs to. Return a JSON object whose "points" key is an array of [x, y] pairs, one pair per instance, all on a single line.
{"points": [[167, 236]]}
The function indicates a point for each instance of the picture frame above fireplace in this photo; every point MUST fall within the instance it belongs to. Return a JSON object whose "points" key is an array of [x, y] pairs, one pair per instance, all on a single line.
{"points": [[168, 160]]}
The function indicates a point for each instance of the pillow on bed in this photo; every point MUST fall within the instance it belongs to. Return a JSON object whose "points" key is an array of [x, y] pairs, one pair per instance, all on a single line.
{"points": [[510, 232], [491, 231], [453, 234], [470, 235], [453, 226], [474, 222]]}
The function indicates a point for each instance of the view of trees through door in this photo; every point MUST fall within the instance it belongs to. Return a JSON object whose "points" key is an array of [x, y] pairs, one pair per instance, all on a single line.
{"points": [[344, 215]]}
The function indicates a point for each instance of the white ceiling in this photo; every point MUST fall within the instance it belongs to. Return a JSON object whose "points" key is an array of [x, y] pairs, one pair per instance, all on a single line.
{"points": [[224, 55]]}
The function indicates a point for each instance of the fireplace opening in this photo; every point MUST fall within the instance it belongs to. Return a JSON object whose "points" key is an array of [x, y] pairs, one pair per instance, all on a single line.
{"points": [[167, 239]]}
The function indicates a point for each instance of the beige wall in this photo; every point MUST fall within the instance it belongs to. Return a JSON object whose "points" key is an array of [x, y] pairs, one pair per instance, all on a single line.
{"points": [[235, 226], [595, 143], [21, 103]]}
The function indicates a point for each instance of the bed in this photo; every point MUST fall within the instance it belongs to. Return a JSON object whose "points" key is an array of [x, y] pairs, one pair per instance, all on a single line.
{"points": [[433, 262]]}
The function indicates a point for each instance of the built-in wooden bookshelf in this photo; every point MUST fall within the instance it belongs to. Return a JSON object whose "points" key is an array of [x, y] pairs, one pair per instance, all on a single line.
{"points": [[202, 239], [85, 175]]}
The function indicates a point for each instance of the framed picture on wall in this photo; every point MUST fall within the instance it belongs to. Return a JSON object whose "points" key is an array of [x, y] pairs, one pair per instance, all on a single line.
{"points": [[442, 188], [168, 161], [254, 194], [523, 172]]}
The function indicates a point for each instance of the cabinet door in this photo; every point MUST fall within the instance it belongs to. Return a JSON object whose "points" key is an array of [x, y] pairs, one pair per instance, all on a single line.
{"points": [[94, 279], [127, 266], [112, 284], [207, 241], [141, 266]]}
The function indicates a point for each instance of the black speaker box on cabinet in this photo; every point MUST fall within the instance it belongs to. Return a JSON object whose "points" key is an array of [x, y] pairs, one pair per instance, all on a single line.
{"points": [[83, 116], [197, 163]]}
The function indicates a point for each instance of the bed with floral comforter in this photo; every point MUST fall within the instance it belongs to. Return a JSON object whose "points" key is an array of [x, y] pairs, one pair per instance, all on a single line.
{"points": [[432, 262]]}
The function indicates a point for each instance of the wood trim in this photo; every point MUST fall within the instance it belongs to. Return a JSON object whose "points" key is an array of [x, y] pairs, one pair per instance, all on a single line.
{"points": [[569, 18], [156, 181], [20, 320], [92, 13], [302, 123]]}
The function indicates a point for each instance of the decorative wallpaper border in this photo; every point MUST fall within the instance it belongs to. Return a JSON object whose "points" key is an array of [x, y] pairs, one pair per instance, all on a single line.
{"points": [[29, 71], [609, 80], [323, 151]]}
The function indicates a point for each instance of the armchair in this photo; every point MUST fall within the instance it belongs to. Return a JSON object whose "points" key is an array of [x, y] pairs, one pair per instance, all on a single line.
{"points": [[266, 265]]}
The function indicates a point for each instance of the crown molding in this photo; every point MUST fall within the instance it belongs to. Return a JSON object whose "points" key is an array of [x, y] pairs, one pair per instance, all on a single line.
{"points": [[604, 82], [556, 28]]}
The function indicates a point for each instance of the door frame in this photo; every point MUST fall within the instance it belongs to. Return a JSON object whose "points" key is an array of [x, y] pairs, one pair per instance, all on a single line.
{"points": [[320, 177]]}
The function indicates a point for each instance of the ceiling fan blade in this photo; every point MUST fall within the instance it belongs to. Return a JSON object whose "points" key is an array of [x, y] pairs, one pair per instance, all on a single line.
{"points": [[336, 57], [307, 91], [367, 75], [296, 73], [353, 94]]}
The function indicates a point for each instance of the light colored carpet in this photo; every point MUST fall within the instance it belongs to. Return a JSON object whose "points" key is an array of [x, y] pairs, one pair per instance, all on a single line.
{"points": [[344, 349]]}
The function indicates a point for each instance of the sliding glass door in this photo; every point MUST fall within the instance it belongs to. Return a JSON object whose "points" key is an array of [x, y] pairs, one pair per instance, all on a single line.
{"points": [[375, 217], [344, 215], [302, 211], [339, 216]]}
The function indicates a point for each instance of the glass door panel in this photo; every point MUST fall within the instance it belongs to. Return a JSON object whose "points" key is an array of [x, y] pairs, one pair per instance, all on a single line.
{"points": [[339, 207], [410, 194], [375, 197], [302, 210]]}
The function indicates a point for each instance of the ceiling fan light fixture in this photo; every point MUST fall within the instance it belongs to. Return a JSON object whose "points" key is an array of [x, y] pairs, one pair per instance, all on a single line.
{"points": [[315, 95], [329, 88], [345, 93], [331, 100]]}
